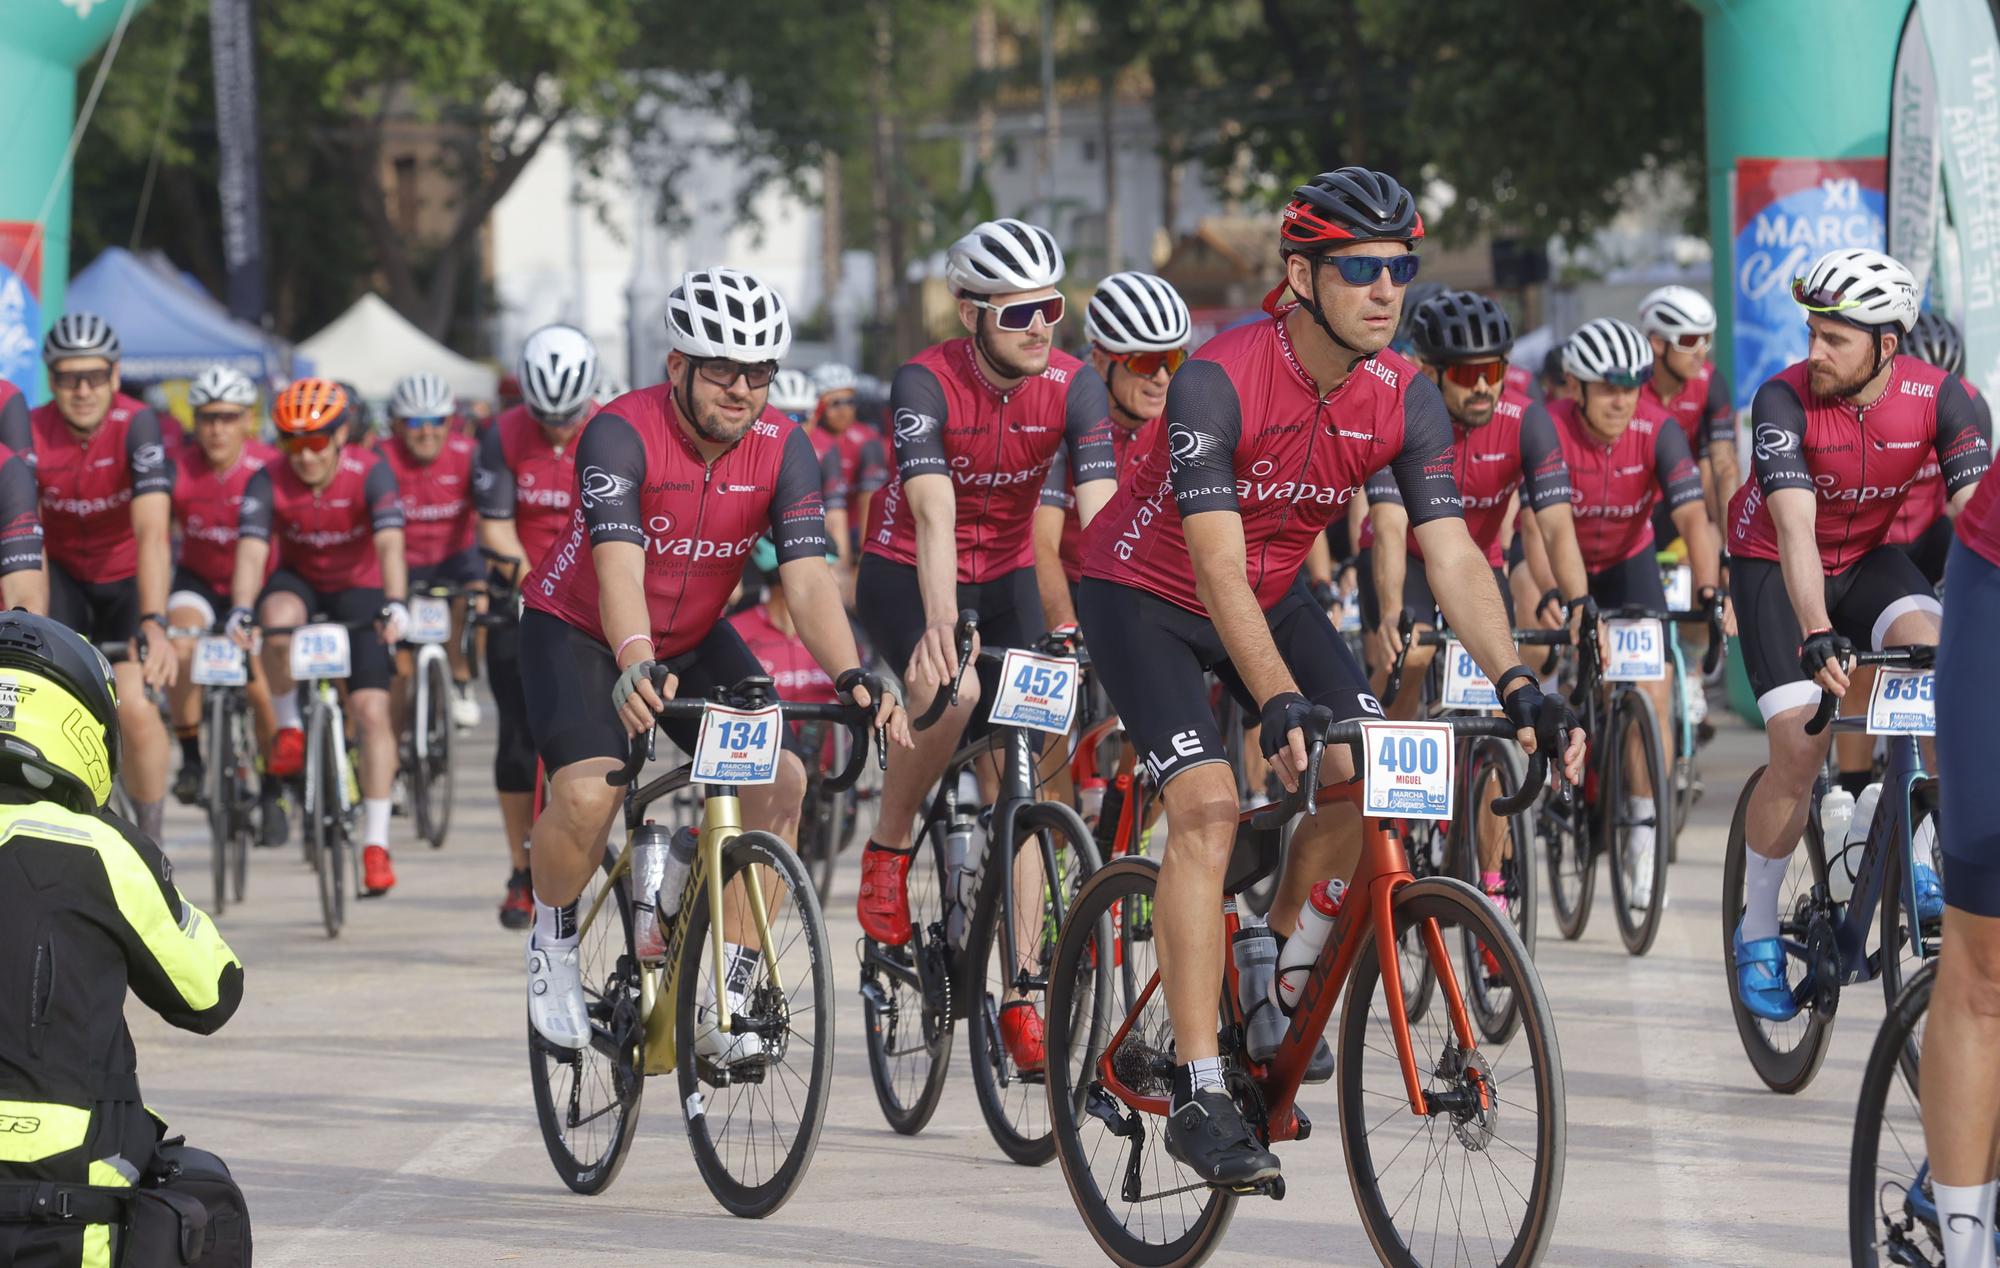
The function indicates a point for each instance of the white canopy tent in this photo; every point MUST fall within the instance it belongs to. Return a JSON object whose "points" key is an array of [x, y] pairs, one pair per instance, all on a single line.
{"points": [[371, 345]]}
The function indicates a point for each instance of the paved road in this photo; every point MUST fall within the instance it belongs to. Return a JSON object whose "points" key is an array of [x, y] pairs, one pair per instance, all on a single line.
{"points": [[372, 1096]]}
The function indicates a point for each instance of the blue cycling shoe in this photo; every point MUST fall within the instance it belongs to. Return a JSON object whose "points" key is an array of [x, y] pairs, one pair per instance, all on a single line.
{"points": [[1930, 893], [1760, 978]]}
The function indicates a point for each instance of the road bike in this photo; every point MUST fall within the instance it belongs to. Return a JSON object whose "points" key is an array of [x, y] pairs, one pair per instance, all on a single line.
{"points": [[426, 750], [229, 743], [330, 802]]}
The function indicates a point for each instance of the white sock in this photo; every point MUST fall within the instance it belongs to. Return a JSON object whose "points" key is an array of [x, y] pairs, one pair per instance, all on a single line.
{"points": [[555, 926], [285, 710], [1639, 808], [375, 821], [1762, 879], [1205, 1075], [1965, 1218]]}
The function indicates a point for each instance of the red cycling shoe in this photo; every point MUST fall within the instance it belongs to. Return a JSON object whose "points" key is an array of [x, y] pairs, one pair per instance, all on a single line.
{"points": [[884, 903], [1021, 1031], [288, 753], [377, 876]]}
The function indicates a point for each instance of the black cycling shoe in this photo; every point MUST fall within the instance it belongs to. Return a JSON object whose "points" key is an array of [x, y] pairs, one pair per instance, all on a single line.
{"points": [[273, 827], [1207, 1136], [1320, 1068], [187, 784]]}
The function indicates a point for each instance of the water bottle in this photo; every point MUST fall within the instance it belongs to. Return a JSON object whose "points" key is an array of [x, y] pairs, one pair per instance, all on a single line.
{"points": [[1842, 867], [680, 864], [650, 854], [1315, 922], [963, 868], [1108, 814], [1256, 952], [1090, 800]]}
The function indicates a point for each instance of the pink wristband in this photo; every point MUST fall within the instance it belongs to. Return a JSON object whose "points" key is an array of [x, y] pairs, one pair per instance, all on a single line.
{"points": [[636, 638]]}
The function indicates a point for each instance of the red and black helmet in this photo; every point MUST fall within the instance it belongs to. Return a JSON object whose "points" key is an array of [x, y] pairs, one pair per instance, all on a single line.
{"points": [[1349, 204]]}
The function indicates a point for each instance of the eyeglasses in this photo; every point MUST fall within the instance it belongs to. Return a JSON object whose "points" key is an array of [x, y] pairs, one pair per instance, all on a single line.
{"points": [[1148, 364], [1362, 270], [432, 420], [221, 417], [310, 442], [1474, 373], [71, 380], [723, 372], [838, 402], [1020, 315]]}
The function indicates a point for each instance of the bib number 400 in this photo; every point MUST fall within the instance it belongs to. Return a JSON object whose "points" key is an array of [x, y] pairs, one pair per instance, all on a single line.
{"points": [[1409, 755]]}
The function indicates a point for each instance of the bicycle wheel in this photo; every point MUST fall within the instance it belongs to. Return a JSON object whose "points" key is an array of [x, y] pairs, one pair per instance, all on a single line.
{"points": [[1493, 769], [1563, 829], [1144, 1208], [1785, 1054], [1634, 723], [1052, 843], [906, 1000], [325, 823], [1480, 1176], [220, 778], [1900, 960], [753, 1124], [431, 782], [1891, 1214], [587, 1099]]}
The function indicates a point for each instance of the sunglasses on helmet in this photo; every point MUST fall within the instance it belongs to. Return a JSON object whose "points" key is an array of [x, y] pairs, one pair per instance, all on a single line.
{"points": [[724, 372], [1148, 364], [1020, 315], [1474, 373], [1821, 300], [1362, 270]]}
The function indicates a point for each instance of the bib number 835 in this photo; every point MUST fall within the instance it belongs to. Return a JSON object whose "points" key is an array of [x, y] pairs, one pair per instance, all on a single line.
{"points": [[1912, 689]]}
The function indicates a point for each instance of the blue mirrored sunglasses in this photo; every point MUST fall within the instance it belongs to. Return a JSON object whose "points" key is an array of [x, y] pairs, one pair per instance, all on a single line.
{"points": [[435, 420], [1362, 270]]}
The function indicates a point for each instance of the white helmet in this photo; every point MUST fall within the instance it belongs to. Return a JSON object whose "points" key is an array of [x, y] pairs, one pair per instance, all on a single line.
{"points": [[1003, 255], [727, 313], [558, 371], [80, 335], [1859, 286], [1673, 311], [1608, 351], [792, 392], [834, 377], [1136, 312], [609, 387], [422, 395], [220, 385]]}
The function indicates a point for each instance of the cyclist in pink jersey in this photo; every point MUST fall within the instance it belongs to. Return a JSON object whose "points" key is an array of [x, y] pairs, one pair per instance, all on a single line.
{"points": [[331, 512], [1839, 439], [1138, 327], [675, 485], [1921, 527], [525, 485], [106, 486], [794, 395], [864, 455], [1272, 429], [768, 630], [1680, 324], [433, 469], [208, 492]]}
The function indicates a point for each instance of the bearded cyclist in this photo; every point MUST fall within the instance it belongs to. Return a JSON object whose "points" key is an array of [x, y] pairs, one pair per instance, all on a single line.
{"points": [[1840, 437], [525, 484], [208, 496], [331, 512], [1271, 430], [640, 579], [1679, 323], [106, 492]]}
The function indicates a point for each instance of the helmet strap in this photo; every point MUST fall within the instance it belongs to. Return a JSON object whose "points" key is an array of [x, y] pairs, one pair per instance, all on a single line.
{"points": [[1874, 363], [1318, 314]]}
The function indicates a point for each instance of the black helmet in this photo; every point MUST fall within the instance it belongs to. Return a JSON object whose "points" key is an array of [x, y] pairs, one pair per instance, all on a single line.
{"points": [[58, 710], [1350, 204], [1460, 326], [1936, 340]]}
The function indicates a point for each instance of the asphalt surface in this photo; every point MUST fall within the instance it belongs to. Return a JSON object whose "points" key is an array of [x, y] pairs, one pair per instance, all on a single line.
{"points": [[372, 1097]]}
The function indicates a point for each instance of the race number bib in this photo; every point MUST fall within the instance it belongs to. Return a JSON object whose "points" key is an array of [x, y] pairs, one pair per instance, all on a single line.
{"points": [[218, 662], [1465, 683], [1635, 651], [1680, 588], [319, 651], [1903, 702], [1037, 692], [739, 746], [430, 619], [1409, 769]]}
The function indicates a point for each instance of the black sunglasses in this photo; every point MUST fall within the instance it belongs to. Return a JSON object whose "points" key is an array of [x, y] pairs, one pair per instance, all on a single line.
{"points": [[723, 372]]}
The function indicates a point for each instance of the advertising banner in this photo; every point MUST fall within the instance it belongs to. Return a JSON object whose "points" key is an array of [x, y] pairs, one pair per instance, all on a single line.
{"points": [[232, 40], [1915, 192], [1788, 212], [20, 305]]}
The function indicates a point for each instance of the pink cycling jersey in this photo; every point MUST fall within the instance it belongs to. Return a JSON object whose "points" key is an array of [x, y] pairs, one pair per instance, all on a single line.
{"points": [[1924, 503], [1616, 484], [641, 480], [522, 477], [87, 485], [437, 499], [1702, 407], [995, 446], [797, 676], [207, 504], [1860, 462], [1129, 444], [327, 535]]}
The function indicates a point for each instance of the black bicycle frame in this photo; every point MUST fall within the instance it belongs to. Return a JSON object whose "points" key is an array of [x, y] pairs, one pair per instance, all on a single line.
{"points": [[1891, 829]]}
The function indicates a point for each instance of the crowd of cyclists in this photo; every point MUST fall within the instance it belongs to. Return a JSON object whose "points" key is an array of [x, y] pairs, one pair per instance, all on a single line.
{"points": [[1197, 514]]}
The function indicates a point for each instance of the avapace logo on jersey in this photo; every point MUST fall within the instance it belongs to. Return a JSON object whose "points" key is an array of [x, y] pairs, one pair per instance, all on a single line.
{"points": [[962, 473], [1262, 484], [1830, 490], [1630, 510]]}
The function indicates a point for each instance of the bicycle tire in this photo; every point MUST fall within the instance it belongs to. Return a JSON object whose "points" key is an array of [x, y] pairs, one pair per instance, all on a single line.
{"points": [[806, 966], [1562, 829], [1787, 1062], [1898, 963], [1364, 1033], [613, 999], [1493, 769], [221, 797], [325, 823], [1014, 1104], [1632, 711], [1888, 1097], [431, 783], [244, 802], [1091, 1151], [907, 1068]]}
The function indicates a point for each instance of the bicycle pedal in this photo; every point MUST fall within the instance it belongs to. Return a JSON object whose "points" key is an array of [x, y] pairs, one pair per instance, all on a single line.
{"points": [[1273, 1188]]}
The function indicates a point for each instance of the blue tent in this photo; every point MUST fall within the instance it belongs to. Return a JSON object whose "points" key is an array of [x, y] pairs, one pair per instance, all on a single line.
{"points": [[170, 328]]}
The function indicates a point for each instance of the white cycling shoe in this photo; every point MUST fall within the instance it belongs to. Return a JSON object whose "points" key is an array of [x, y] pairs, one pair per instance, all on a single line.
{"points": [[464, 708], [739, 1046], [555, 996]]}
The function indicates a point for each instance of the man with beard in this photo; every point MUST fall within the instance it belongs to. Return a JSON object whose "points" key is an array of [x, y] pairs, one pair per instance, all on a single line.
{"points": [[1839, 439]]}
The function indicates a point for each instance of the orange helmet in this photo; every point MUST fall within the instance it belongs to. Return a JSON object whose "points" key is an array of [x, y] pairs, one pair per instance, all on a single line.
{"points": [[310, 405]]}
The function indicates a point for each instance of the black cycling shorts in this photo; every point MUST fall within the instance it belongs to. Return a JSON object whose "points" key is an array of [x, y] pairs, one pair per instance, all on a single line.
{"points": [[1862, 602], [1634, 583], [101, 611], [890, 607], [1417, 594], [567, 677], [192, 590], [463, 569], [514, 750], [1970, 811], [1151, 656], [358, 608], [1931, 549]]}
